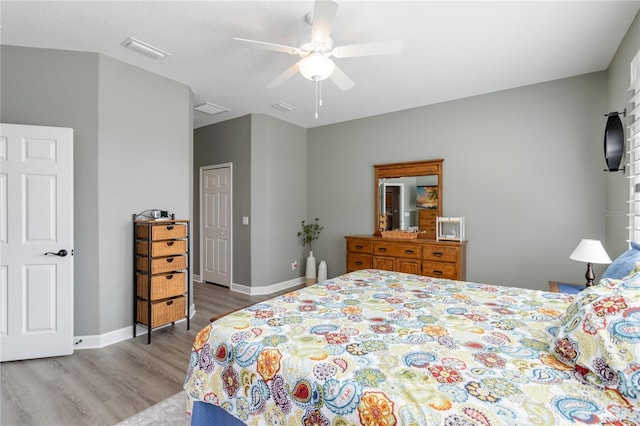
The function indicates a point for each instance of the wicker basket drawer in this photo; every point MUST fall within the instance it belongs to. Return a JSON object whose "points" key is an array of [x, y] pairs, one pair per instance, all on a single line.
{"points": [[440, 270], [356, 261], [440, 253], [398, 250], [162, 311], [162, 286], [360, 246], [162, 264], [165, 231], [162, 248]]}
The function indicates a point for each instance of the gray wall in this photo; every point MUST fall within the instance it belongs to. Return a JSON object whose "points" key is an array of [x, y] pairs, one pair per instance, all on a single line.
{"points": [[269, 186], [60, 88], [144, 161], [523, 166], [617, 184], [132, 149], [227, 142], [278, 199]]}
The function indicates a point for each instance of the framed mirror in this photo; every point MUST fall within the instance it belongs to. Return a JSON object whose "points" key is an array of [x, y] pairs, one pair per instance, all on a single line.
{"points": [[408, 196]]}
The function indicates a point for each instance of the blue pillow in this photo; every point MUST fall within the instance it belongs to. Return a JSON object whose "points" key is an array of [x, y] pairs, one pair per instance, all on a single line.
{"points": [[624, 264]]}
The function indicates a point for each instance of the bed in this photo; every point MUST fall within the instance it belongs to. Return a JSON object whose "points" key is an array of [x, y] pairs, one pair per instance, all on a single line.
{"points": [[381, 348]]}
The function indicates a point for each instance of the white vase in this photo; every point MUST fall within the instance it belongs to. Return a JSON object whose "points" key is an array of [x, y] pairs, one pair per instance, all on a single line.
{"points": [[322, 271], [311, 270]]}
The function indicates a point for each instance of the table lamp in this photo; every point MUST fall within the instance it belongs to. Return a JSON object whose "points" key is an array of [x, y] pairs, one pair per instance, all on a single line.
{"points": [[590, 251]]}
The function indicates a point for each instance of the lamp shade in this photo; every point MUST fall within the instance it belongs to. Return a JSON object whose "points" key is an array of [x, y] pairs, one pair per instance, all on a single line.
{"points": [[316, 66], [590, 251]]}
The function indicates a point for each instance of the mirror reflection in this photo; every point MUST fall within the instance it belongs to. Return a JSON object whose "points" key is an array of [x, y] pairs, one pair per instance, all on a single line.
{"points": [[403, 200]]}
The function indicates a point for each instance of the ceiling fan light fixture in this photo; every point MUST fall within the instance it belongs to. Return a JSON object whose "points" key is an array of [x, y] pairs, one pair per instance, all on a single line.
{"points": [[316, 66]]}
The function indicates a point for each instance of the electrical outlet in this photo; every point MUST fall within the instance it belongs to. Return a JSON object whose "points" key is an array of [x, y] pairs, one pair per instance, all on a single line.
{"points": [[294, 265]]}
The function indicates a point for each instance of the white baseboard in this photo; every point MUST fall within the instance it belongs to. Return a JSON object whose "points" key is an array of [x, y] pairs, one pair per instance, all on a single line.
{"points": [[106, 339], [269, 289], [115, 336]]}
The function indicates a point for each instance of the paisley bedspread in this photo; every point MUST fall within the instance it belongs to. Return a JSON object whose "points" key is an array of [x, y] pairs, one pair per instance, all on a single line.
{"points": [[383, 348]]}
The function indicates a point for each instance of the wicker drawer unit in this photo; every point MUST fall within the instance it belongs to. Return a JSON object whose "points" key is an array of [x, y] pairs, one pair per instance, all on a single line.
{"points": [[442, 259], [162, 248], [161, 272], [163, 231], [162, 286], [160, 265], [162, 311]]}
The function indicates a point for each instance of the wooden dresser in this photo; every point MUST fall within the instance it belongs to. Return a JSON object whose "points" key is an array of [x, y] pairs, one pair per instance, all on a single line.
{"points": [[427, 222], [441, 259]]}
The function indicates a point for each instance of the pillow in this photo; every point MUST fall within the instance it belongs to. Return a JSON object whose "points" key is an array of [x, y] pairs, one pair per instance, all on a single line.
{"points": [[600, 335], [624, 264]]}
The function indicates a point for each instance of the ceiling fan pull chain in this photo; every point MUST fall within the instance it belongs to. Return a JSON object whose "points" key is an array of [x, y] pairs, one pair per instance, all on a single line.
{"points": [[320, 101], [316, 102]]}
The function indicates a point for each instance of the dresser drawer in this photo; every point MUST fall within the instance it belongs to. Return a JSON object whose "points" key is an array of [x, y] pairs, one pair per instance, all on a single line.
{"points": [[440, 270], [359, 246], [439, 253], [162, 264], [356, 261], [162, 285], [166, 231], [162, 248], [412, 251]]}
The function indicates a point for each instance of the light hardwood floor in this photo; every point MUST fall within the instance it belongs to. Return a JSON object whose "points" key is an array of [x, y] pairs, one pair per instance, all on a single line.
{"points": [[105, 386]]}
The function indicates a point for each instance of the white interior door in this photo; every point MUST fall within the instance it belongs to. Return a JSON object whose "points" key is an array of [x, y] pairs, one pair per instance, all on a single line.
{"points": [[215, 205], [36, 229]]}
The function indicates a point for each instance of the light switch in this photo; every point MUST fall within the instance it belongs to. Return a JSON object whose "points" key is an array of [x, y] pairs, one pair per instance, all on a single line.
{"points": [[245, 220]]}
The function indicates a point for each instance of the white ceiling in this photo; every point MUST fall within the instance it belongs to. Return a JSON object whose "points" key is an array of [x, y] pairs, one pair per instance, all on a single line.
{"points": [[452, 49]]}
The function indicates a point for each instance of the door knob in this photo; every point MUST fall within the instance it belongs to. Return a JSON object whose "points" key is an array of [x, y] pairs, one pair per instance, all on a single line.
{"points": [[61, 253]]}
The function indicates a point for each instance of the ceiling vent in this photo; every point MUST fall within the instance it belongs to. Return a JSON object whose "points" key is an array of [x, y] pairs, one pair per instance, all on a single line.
{"points": [[281, 106], [144, 48], [211, 109]]}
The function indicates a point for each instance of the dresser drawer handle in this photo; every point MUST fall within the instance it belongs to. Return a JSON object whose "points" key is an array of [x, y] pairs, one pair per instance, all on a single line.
{"points": [[437, 272], [358, 263], [359, 247], [169, 259], [170, 302], [437, 254], [169, 227], [170, 243], [408, 251], [168, 277], [382, 249]]}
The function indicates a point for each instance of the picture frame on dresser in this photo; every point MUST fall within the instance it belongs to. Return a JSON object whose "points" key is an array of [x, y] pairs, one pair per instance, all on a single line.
{"points": [[427, 197]]}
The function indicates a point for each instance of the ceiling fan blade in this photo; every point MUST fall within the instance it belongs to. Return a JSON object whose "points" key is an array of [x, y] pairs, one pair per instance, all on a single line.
{"points": [[271, 46], [341, 79], [368, 49], [290, 72], [324, 12]]}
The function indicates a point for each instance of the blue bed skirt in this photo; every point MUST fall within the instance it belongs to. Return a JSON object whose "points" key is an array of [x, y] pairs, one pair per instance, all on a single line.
{"points": [[205, 414]]}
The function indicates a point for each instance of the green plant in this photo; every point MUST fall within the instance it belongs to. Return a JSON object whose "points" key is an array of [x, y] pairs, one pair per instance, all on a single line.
{"points": [[310, 232]]}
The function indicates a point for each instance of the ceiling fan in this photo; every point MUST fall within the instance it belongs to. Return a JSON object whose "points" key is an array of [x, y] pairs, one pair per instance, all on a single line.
{"points": [[316, 63]]}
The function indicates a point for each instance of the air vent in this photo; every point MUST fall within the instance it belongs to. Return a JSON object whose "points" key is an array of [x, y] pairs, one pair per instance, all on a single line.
{"points": [[211, 109], [144, 48], [281, 106]]}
